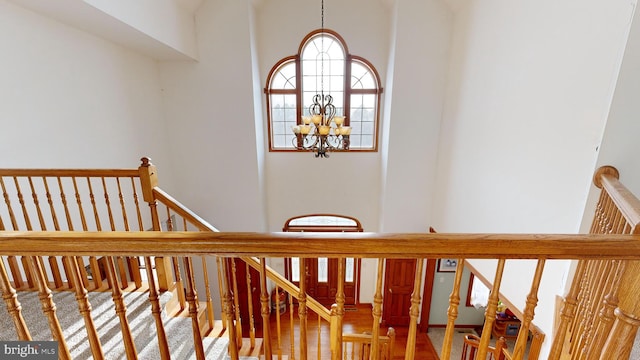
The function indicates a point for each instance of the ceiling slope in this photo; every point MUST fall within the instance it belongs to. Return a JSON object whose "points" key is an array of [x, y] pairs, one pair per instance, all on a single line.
{"points": [[83, 15]]}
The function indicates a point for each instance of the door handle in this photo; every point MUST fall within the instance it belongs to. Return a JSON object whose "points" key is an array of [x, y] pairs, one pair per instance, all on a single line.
{"points": [[390, 291]]}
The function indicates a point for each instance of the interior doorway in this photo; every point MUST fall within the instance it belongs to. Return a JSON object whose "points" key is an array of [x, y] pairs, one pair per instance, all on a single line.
{"points": [[321, 274]]}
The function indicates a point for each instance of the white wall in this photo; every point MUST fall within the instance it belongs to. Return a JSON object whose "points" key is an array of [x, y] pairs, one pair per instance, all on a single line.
{"points": [[419, 64], [70, 99], [529, 91], [618, 148], [346, 183], [209, 107], [164, 20]]}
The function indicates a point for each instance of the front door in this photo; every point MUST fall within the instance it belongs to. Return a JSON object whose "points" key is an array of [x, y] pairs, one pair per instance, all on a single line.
{"points": [[321, 274], [321, 277], [398, 280]]}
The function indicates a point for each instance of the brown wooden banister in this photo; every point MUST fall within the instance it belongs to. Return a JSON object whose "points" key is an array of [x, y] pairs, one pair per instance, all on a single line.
{"points": [[609, 259], [361, 245]]}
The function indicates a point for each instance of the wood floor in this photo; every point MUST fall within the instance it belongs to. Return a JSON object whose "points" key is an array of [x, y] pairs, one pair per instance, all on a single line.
{"points": [[356, 320]]}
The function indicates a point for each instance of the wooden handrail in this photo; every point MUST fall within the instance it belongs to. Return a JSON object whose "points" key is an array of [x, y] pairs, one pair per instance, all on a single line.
{"points": [[70, 172], [359, 245], [182, 210]]}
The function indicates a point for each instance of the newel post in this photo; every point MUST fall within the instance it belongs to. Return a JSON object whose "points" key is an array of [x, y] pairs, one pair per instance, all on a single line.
{"points": [[148, 181]]}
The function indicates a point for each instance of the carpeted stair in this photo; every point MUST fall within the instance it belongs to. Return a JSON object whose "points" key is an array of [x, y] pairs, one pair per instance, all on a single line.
{"points": [[178, 329]]}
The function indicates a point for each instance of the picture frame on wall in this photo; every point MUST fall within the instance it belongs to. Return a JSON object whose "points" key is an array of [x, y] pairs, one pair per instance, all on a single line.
{"points": [[447, 265]]}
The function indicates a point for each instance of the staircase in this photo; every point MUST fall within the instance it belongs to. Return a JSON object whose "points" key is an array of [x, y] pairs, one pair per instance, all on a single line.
{"points": [[177, 327]]}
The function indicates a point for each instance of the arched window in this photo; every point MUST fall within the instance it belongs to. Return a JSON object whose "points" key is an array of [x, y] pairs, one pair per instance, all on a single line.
{"points": [[323, 65]]}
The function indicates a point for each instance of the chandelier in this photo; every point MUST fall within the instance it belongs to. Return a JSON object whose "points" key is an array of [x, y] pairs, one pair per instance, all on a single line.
{"points": [[321, 131]]}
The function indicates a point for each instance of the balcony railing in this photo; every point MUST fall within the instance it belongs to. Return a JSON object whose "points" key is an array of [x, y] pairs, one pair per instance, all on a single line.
{"points": [[49, 256]]}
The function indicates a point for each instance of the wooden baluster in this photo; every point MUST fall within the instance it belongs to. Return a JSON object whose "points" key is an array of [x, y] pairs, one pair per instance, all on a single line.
{"points": [[156, 311], [537, 338], [620, 340], [53, 261], [302, 308], [27, 272], [13, 305], [265, 311], [532, 302], [56, 273], [376, 312], [391, 333], [319, 339], [134, 194], [278, 320], [85, 309], [107, 203], [339, 310], [597, 214], [291, 335], [96, 216], [176, 268], [221, 291], [120, 308], [334, 329], [43, 225], [236, 301], [82, 272], [7, 201], [490, 313], [25, 213], [96, 276], [16, 274], [228, 309], [49, 309], [452, 311], [607, 315], [132, 262], [252, 324], [36, 204], [602, 287], [92, 199], [179, 284], [96, 269], [65, 205], [192, 300], [136, 203], [123, 208], [122, 268], [583, 300], [414, 311], [83, 219], [207, 287]]}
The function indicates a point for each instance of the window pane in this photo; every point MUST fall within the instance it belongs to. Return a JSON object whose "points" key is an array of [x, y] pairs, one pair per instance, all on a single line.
{"points": [[323, 270], [323, 68], [295, 269], [322, 220], [362, 120], [361, 77], [350, 270], [283, 117], [285, 77]]}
